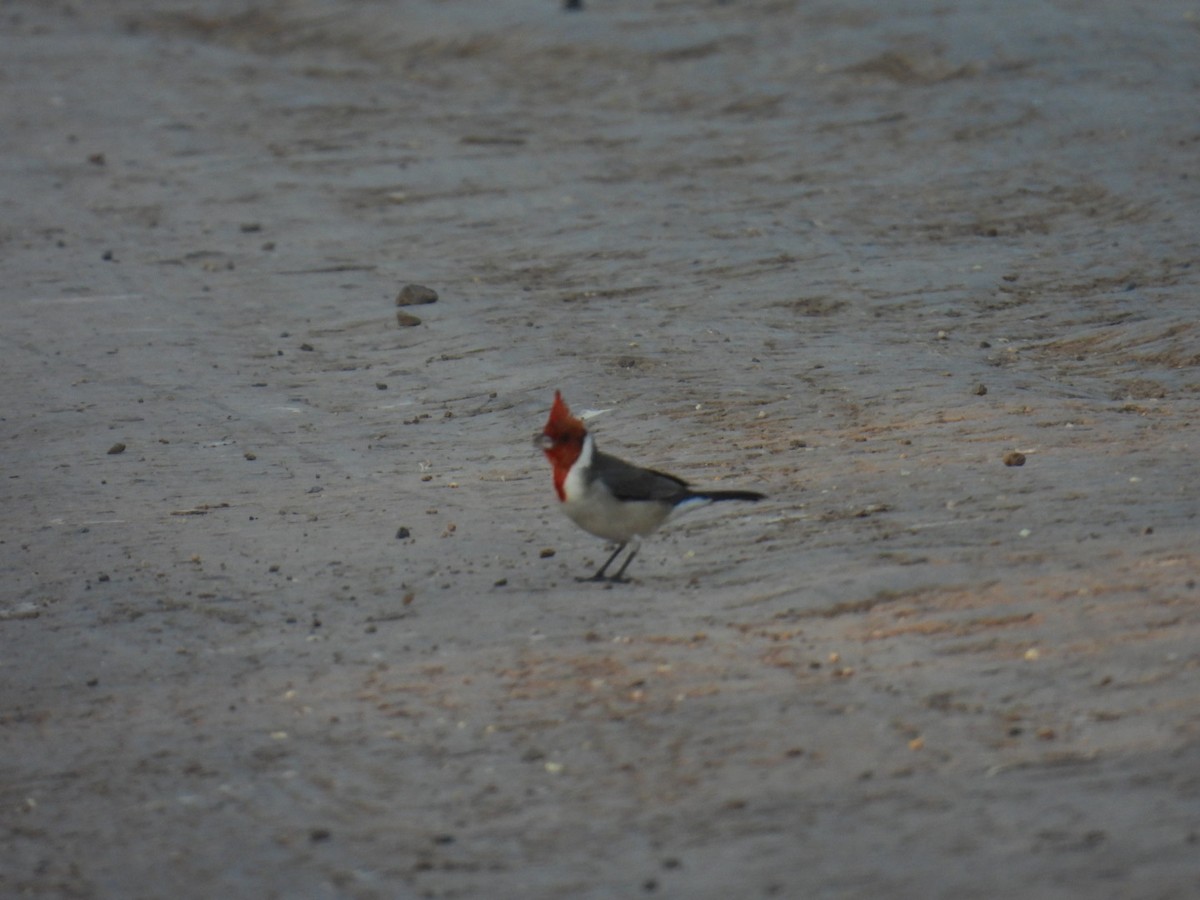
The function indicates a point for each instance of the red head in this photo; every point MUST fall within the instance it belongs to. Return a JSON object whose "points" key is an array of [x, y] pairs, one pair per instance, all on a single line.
{"points": [[562, 441]]}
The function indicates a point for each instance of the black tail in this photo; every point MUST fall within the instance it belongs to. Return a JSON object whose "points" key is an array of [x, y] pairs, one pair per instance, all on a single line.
{"points": [[731, 495]]}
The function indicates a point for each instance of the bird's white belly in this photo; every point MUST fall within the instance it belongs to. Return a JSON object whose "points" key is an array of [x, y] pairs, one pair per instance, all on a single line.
{"points": [[602, 514]]}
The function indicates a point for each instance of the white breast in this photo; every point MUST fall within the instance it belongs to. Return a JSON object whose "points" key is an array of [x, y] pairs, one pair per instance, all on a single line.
{"points": [[592, 507]]}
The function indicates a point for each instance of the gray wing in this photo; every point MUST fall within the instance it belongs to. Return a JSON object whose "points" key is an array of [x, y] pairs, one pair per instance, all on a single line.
{"points": [[629, 482]]}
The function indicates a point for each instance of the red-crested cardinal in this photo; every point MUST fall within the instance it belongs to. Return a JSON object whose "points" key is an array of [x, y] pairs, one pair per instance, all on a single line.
{"points": [[609, 497]]}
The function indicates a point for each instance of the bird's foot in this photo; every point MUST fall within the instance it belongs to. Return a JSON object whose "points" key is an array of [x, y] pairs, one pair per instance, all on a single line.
{"points": [[598, 578]]}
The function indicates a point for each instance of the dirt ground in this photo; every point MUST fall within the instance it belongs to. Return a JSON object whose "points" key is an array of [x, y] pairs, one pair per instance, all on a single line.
{"points": [[288, 611]]}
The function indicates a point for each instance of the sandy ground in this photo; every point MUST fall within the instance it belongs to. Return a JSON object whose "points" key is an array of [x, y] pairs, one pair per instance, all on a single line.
{"points": [[315, 631]]}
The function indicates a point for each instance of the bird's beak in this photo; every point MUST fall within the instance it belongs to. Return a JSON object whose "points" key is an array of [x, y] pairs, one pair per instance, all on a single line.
{"points": [[543, 441]]}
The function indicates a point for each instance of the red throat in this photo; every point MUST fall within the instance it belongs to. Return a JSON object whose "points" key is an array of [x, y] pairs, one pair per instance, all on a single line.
{"points": [[563, 434]]}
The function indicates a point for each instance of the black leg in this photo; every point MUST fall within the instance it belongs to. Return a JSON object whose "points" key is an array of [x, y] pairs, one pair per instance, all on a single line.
{"points": [[628, 560], [599, 576]]}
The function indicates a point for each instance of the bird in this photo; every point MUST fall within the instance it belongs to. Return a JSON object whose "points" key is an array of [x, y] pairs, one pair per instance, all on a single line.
{"points": [[609, 497]]}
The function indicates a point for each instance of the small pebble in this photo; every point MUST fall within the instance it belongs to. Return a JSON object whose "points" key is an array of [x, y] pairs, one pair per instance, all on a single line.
{"points": [[1014, 458], [115, 449], [416, 295], [406, 320], [980, 389]]}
